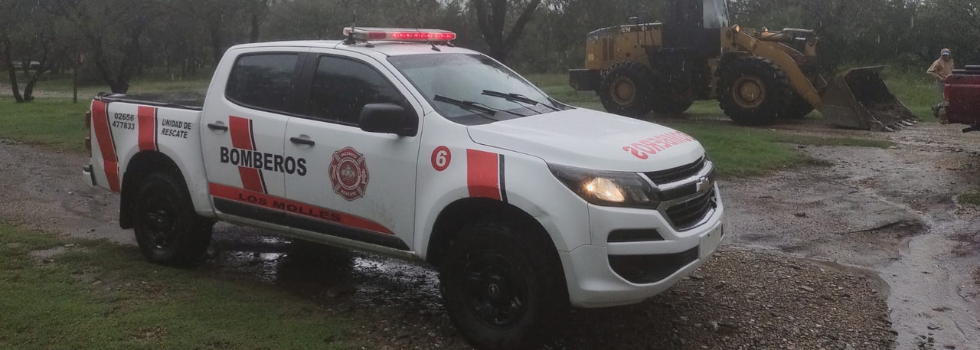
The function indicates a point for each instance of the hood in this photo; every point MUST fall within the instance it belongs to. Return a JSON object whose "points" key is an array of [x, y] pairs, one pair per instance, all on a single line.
{"points": [[594, 140]]}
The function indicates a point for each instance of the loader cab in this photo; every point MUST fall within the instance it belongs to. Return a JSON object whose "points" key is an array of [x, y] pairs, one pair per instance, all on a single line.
{"points": [[695, 26]]}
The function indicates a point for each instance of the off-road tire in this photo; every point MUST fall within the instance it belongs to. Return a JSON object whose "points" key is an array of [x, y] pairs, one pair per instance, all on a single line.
{"points": [[620, 101], [167, 229], [798, 108], [670, 104], [761, 108], [528, 276]]}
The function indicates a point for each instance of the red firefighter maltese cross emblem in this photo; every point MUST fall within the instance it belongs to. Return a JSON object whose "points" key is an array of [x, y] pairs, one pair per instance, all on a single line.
{"points": [[349, 173]]}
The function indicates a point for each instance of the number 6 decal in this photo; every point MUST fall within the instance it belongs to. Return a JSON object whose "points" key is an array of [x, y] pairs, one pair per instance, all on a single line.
{"points": [[441, 158]]}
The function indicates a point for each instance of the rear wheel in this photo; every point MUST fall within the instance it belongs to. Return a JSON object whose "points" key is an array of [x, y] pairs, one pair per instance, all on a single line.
{"points": [[753, 91], [167, 229], [626, 88], [500, 291]]}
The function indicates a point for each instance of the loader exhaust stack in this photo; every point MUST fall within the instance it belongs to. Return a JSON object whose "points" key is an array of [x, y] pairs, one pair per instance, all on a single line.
{"points": [[859, 99]]}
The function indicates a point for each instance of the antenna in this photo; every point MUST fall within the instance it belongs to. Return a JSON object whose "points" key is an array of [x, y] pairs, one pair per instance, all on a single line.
{"points": [[353, 25]]}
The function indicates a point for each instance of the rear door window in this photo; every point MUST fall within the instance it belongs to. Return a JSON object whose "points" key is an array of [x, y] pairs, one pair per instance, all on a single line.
{"points": [[263, 81]]}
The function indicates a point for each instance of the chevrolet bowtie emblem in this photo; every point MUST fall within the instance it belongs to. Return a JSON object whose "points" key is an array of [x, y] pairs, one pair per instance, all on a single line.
{"points": [[703, 184]]}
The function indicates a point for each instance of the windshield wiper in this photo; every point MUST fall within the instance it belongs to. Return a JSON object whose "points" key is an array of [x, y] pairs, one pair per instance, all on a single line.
{"points": [[474, 106], [513, 97]]}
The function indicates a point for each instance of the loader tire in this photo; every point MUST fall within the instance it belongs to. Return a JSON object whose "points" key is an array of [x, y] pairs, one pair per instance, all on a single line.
{"points": [[753, 91], [798, 108], [671, 103], [625, 89]]}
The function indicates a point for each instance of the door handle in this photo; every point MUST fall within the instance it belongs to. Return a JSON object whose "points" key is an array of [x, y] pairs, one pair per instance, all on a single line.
{"points": [[217, 127], [302, 141]]}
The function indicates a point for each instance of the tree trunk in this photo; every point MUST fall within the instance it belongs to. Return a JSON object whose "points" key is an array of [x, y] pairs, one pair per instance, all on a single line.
{"points": [[11, 70], [492, 21], [29, 89], [217, 41], [253, 35]]}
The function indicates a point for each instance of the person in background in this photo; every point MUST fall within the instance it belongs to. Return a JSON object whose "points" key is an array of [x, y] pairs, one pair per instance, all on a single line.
{"points": [[942, 68]]}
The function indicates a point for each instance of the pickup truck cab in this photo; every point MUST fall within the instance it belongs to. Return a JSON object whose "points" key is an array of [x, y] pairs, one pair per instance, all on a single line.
{"points": [[962, 93], [396, 143]]}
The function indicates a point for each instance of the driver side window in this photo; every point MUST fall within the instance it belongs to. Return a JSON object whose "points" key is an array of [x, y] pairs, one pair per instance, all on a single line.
{"points": [[341, 88]]}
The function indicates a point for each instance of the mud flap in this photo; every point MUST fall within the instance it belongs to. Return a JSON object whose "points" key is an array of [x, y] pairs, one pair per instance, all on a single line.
{"points": [[859, 99]]}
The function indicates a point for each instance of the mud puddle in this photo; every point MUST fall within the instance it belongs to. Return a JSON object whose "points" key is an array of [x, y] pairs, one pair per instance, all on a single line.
{"points": [[331, 276], [740, 300], [892, 211]]}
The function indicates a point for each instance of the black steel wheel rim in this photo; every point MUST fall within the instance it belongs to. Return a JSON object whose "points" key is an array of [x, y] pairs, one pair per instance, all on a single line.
{"points": [[495, 290], [159, 221]]}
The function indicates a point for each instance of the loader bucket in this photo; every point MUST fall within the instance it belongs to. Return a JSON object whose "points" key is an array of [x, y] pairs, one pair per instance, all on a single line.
{"points": [[859, 99]]}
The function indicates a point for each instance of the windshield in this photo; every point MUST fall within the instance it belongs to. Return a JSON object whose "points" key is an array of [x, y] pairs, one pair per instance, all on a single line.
{"points": [[715, 14], [472, 78]]}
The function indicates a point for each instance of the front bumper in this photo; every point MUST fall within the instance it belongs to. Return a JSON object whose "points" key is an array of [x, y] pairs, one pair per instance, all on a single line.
{"points": [[594, 282]]}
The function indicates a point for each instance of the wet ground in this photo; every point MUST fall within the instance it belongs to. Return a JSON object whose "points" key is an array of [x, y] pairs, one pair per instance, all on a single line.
{"points": [[870, 250]]}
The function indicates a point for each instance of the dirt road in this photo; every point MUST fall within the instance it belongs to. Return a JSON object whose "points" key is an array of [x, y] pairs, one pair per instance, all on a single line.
{"points": [[892, 211], [819, 257]]}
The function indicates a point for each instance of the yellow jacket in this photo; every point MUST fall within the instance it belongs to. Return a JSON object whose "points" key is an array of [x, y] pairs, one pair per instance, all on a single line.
{"points": [[941, 69]]}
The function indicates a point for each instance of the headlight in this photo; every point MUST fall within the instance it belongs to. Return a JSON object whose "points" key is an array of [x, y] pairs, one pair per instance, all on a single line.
{"points": [[607, 188]]}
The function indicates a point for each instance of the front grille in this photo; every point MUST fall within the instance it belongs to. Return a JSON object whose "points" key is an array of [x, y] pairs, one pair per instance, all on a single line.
{"points": [[643, 269], [685, 215], [676, 174]]}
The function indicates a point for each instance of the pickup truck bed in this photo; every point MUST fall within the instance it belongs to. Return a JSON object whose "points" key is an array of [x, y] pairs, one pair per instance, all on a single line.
{"points": [[185, 100], [963, 96]]}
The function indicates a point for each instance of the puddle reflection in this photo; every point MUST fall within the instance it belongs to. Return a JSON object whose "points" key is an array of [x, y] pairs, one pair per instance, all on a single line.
{"points": [[326, 274]]}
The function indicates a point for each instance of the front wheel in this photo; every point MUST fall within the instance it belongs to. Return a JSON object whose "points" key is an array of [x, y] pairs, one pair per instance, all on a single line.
{"points": [[753, 91], [798, 108], [167, 229], [500, 290]]}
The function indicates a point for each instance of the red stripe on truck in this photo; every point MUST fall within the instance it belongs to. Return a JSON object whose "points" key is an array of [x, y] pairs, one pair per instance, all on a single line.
{"points": [[147, 128], [241, 132], [103, 135], [483, 174], [242, 137], [293, 207]]}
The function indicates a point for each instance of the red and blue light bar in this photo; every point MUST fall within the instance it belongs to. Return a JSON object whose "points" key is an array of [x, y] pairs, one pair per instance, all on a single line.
{"points": [[400, 34]]}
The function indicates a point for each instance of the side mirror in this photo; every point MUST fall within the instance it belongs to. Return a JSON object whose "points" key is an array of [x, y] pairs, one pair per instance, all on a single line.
{"points": [[389, 118]]}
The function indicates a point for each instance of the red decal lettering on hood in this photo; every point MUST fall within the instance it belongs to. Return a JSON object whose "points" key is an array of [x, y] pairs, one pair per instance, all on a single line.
{"points": [[645, 148]]}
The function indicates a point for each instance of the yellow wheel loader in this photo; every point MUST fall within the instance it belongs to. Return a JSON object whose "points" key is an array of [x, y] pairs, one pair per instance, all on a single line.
{"points": [[757, 77]]}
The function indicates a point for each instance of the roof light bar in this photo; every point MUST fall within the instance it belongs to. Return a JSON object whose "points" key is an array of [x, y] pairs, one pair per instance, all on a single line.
{"points": [[400, 34]]}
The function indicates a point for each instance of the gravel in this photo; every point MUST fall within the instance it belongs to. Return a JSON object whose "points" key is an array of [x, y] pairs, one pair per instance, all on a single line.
{"points": [[743, 300]]}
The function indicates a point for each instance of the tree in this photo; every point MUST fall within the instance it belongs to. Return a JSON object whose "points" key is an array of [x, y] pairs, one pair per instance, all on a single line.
{"points": [[29, 34], [492, 18], [112, 29]]}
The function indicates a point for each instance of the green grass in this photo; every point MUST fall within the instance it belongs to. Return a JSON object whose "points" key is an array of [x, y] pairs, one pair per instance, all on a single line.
{"points": [[99, 295], [742, 151], [915, 89], [972, 198], [56, 123], [60, 85]]}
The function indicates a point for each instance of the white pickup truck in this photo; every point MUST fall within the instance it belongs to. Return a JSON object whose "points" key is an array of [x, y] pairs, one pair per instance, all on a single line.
{"points": [[395, 142]]}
